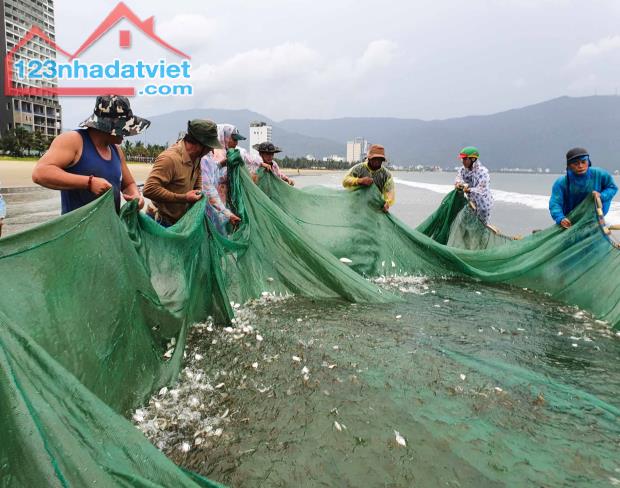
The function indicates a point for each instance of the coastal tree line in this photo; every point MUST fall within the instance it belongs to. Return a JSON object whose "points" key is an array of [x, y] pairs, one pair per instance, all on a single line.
{"points": [[140, 152], [20, 142], [304, 163]]}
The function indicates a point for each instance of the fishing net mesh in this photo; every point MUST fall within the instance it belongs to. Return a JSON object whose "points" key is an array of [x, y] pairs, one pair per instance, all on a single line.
{"points": [[95, 309]]}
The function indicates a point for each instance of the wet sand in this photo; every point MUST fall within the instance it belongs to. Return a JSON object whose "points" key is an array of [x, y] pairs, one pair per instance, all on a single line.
{"points": [[19, 173], [29, 205]]}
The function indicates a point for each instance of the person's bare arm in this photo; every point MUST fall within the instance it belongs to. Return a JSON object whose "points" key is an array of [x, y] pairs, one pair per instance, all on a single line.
{"points": [[129, 188], [64, 151]]}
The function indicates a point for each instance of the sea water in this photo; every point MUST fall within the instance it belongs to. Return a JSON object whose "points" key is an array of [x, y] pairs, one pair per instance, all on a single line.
{"points": [[521, 200]]}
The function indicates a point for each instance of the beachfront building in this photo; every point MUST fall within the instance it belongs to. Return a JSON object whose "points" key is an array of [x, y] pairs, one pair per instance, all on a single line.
{"points": [[34, 113], [259, 132], [335, 158], [356, 150]]}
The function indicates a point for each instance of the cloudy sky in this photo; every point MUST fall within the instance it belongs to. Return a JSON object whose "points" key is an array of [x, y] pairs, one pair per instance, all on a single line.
{"points": [[423, 59]]}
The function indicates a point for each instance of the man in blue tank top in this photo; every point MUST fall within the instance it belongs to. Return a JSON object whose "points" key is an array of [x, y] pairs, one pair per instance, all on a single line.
{"points": [[86, 163], [581, 180]]}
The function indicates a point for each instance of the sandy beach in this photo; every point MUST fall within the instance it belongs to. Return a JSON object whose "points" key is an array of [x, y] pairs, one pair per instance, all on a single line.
{"points": [[29, 205], [18, 173]]}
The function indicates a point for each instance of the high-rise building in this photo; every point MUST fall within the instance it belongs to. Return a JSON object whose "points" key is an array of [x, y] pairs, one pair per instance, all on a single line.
{"points": [[34, 113], [259, 132], [356, 150]]}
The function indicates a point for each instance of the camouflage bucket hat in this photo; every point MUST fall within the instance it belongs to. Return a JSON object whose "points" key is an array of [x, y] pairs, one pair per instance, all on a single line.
{"points": [[113, 115], [205, 132], [267, 147]]}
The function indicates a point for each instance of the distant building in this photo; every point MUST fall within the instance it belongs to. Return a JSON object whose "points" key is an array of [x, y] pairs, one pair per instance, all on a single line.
{"points": [[356, 150], [33, 113], [259, 132], [422, 168], [335, 158]]}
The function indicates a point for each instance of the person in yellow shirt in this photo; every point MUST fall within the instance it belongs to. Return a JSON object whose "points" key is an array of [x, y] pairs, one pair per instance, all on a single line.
{"points": [[371, 172]]}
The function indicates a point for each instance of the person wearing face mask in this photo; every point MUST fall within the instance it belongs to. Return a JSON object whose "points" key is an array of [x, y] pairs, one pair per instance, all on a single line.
{"points": [[474, 179], [581, 179], [214, 171], [175, 182], [372, 172]]}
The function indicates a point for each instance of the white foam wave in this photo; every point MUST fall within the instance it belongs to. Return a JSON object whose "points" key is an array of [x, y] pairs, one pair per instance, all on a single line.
{"points": [[443, 189], [537, 202]]}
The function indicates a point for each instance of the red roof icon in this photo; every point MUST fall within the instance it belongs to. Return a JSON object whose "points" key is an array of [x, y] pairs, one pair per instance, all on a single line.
{"points": [[120, 12]]}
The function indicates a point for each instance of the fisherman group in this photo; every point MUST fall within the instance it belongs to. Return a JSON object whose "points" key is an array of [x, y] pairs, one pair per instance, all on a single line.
{"points": [[85, 163]]}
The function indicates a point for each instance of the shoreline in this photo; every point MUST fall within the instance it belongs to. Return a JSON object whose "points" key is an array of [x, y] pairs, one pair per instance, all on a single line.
{"points": [[17, 174]]}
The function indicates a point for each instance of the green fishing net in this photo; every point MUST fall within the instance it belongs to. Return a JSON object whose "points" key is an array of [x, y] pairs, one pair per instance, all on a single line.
{"points": [[82, 338], [574, 266], [488, 385], [95, 310], [103, 307]]}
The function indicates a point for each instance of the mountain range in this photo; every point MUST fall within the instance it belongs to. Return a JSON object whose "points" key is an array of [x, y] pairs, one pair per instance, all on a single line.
{"points": [[530, 137]]}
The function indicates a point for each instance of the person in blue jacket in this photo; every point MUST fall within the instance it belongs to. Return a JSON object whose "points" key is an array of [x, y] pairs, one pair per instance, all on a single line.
{"points": [[581, 179]]}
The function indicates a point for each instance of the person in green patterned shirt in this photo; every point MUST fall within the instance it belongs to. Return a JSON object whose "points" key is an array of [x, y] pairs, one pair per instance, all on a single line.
{"points": [[371, 172]]}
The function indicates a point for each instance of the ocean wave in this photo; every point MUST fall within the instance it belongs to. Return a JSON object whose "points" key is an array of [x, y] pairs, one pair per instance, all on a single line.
{"points": [[537, 202]]}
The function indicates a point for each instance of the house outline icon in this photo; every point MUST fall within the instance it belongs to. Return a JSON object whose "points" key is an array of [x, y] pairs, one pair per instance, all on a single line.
{"points": [[120, 12]]}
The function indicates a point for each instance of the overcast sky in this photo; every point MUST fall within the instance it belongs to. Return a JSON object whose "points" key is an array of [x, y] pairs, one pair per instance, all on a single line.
{"points": [[423, 59]]}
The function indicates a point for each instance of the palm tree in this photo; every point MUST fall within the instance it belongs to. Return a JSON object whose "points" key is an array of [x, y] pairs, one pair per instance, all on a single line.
{"points": [[40, 142], [127, 148], [139, 148], [17, 141]]}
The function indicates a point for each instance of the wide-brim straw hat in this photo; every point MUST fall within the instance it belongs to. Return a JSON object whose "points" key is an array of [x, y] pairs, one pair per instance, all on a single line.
{"points": [[376, 151]]}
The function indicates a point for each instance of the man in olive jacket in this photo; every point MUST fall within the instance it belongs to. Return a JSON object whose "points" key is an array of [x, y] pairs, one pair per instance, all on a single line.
{"points": [[175, 183]]}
